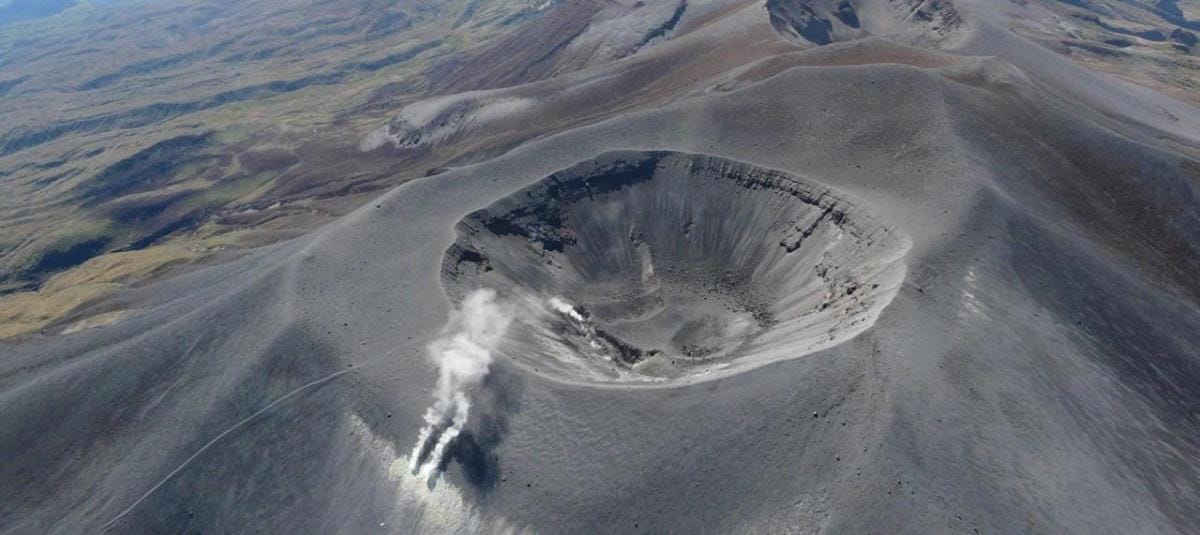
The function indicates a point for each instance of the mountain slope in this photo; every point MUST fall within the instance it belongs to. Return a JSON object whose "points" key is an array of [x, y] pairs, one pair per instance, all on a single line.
{"points": [[1014, 350]]}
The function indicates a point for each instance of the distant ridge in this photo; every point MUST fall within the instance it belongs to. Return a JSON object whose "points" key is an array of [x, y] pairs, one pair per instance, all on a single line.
{"points": [[19, 10]]}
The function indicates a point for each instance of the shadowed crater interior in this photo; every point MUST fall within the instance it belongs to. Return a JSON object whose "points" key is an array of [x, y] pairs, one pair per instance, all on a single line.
{"points": [[664, 266]]}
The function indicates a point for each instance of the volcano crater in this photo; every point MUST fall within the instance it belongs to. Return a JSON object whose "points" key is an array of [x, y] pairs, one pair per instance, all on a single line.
{"points": [[663, 267]]}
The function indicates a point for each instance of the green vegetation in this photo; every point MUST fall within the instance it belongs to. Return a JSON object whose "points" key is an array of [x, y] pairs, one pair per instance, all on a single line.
{"points": [[127, 126]]}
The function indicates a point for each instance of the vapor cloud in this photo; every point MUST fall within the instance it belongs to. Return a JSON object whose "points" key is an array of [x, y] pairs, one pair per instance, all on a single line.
{"points": [[463, 352], [561, 306]]}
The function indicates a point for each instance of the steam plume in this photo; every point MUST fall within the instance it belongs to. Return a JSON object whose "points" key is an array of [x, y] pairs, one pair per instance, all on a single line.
{"points": [[462, 354], [561, 306]]}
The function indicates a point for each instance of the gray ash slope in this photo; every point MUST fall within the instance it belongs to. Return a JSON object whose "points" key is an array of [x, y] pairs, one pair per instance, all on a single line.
{"points": [[1036, 369]]}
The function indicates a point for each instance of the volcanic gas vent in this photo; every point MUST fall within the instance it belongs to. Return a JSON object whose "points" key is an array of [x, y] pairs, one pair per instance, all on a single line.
{"points": [[659, 266]]}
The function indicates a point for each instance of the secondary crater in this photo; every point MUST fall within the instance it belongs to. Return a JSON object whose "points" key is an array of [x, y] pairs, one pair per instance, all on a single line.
{"points": [[666, 266]]}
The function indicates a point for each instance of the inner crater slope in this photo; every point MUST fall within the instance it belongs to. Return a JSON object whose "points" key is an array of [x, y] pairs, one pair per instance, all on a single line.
{"points": [[667, 267]]}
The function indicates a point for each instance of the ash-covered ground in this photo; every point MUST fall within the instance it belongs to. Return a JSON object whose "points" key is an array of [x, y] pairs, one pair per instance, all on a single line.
{"points": [[773, 270]]}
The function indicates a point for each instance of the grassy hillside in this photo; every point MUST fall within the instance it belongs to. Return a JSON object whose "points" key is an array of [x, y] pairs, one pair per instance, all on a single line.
{"points": [[160, 125]]}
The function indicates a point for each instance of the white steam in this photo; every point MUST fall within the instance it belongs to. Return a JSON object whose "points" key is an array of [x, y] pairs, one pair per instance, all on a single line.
{"points": [[462, 354], [581, 324], [561, 306]]}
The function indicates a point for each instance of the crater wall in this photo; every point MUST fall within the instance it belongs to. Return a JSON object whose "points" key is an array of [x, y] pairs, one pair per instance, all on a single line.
{"points": [[661, 266]]}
